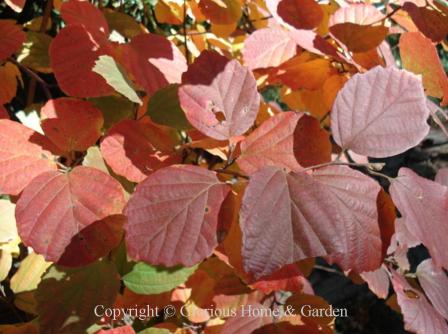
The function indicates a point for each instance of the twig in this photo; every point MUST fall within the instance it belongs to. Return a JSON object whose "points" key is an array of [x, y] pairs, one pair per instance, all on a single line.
{"points": [[34, 77], [42, 29], [184, 28], [329, 270], [388, 16], [228, 172]]}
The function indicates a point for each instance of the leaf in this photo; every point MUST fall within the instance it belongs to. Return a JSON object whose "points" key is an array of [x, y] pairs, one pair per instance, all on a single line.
{"points": [[124, 24], [268, 47], [423, 204], [433, 24], [173, 216], [289, 217], [75, 77], [75, 12], [4, 114], [244, 323], [221, 11], [16, 5], [71, 124], [78, 292], [153, 62], [271, 144], [434, 282], [288, 278], [34, 53], [8, 230], [386, 219], [12, 38], [9, 74], [312, 144], [359, 13], [301, 14], [150, 280], [93, 242], [114, 109], [54, 207], [419, 316], [29, 274], [23, 156], [129, 148], [170, 12], [359, 38], [219, 96], [442, 176], [109, 70], [118, 330], [419, 55], [378, 281], [164, 108], [380, 113]]}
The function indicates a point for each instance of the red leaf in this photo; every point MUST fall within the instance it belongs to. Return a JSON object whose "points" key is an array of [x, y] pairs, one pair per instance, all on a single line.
{"points": [[378, 281], [130, 149], [74, 74], [93, 242], [271, 144], [301, 14], [23, 155], [71, 124], [75, 12], [153, 61], [430, 22], [11, 38], [419, 55], [3, 113], [173, 216], [268, 47], [380, 113], [419, 316], [16, 5], [54, 207], [442, 176], [290, 217], [219, 96], [314, 43], [359, 38], [288, 278], [312, 144], [423, 205], [434, 282]]}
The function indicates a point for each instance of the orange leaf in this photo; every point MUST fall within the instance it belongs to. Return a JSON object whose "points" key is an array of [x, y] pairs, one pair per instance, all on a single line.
{"points": [[357, 37], [301, 14]]}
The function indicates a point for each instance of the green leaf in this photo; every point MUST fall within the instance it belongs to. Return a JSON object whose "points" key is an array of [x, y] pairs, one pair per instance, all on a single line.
{"points": [[164, 108], [149, 280], [109, 70], [114, 109], [67, 297]]}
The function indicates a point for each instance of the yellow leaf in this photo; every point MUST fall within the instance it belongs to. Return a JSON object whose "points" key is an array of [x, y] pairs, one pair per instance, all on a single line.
{"points": [[29, 274], [169, 12], [5, 264]]}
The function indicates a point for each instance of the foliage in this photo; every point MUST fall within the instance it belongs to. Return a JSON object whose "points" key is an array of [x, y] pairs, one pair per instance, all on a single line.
{"points": [[193, 157]]}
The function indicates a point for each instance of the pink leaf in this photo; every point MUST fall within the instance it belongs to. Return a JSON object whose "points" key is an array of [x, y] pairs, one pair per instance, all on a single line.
{"points": [[268, 47], [380, 113], [130, 150], [442, 176], [288, 278], [75, 75], [356, 13], [419, 316], [23, 155], [271, 144], [153, 61], [219, 96], [434, 282], [423, 205], [173, 216], [54, 207], [378, 281], [71, 124], [289, 217]]}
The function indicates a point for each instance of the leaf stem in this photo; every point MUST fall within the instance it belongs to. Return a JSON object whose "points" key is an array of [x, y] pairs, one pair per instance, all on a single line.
{"points": [[229, 172]]}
